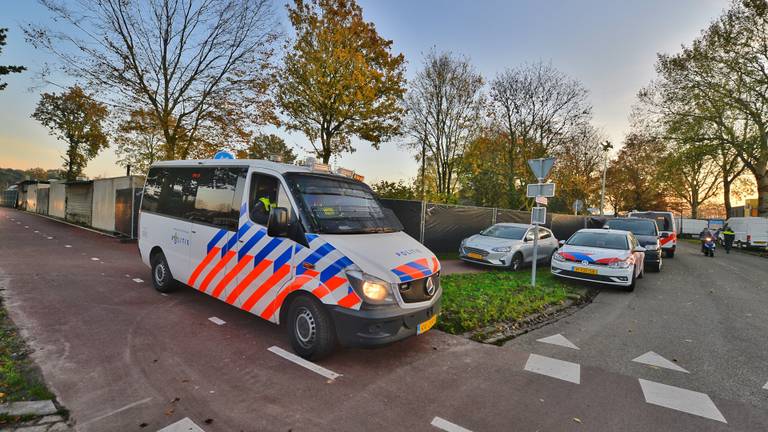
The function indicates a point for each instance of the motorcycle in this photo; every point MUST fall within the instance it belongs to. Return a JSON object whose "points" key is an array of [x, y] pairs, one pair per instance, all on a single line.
{"points": [[708, 246]]}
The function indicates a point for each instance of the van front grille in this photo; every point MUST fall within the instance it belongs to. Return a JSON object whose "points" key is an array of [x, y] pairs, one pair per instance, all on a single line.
{"points": [[416, 290]]}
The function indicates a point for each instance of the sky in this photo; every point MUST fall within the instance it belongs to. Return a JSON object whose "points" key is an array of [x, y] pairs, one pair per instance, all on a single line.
{"points": [[608, 45]]}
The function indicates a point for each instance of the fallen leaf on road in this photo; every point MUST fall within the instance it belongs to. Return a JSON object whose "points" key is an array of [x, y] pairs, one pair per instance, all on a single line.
{"points": [[169, 412], [208, 421], [143, 425]]}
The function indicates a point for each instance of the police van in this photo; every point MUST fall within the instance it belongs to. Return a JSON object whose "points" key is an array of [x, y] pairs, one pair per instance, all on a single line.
{"points": [[301, 246], [667, 229]]}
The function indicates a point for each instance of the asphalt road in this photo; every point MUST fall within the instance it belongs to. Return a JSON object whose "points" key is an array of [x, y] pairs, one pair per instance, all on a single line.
{"points": [[122, 357]]}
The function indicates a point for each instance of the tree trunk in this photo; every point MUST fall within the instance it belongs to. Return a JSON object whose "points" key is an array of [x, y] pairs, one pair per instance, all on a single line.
{"points": [[727, 196], [761, 178]]}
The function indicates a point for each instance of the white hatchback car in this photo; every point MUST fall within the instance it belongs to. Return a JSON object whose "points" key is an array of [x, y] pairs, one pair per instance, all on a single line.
{"points": [[507, 245], [605, 256]]}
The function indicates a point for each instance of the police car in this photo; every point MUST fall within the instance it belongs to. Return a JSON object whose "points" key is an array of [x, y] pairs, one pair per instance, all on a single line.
{"points": [[296, 245], [606, 256]]}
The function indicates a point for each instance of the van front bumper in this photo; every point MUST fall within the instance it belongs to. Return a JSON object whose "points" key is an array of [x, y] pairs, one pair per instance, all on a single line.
{"points": [[373, 327]]}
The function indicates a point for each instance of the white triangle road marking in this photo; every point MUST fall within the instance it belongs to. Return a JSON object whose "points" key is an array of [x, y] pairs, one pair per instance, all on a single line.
{"points": [[554, 368], [559, 340], [183, 425], [680, 399], [447, 426], [653, 359]]}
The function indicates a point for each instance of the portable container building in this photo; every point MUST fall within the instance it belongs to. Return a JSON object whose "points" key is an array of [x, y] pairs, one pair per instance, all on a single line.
{"points": [[57, 198], [43, 190], [115, 203], [79, 201]]}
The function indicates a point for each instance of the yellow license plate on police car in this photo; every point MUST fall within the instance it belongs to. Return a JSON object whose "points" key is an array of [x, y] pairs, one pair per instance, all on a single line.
{"points": [[474, 255], [585, 270], [426, 325]]}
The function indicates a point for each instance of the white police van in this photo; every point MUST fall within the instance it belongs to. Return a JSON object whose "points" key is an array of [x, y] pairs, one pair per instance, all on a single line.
{"points": [[297, 245]]}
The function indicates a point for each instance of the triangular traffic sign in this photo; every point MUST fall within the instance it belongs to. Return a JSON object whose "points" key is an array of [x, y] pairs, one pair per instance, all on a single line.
{"points": [[541, 167]]}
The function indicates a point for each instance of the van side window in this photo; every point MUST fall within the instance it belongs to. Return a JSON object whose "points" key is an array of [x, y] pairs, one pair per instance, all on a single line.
{"points": [[215, 199], [177, 197], [154, 184], [263, 197]]}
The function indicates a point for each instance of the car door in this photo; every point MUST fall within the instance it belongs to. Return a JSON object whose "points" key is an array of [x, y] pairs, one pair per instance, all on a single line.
{"points": [[547, 243], [639, 256], [267, 261], [527, 247], [215, 228]]}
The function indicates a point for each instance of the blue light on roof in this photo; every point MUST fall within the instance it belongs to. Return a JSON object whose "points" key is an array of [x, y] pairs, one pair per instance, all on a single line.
{"points": [[223, 154]]}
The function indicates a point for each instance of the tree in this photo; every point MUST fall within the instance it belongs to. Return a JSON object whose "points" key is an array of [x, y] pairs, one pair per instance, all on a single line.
{"points": [[632, 181], [483, 172], [139, 141], [201, 68], [578, 170], [394, 190], [691, 175], [339, 79], [538, 107], [444, 104], [265, 146], [6, 70], [723, 72], [36, 174], [77, 119]]}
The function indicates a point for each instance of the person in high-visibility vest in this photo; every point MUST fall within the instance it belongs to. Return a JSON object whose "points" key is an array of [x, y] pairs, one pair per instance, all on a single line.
{"points": [[264, 200], [728, 237]]}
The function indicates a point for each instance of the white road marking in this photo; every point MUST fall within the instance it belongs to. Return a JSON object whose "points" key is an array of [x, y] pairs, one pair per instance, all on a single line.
{"points": [[50, 238], [653, 359], [554, 368], [94, 259], [26, 226], [680, 399], [765, 386], [68, 246], [217, 321], [137, 280], [164, 294], [183, 425], [304, 363], [559, 340], [119, 410], [445, 425], [36, 231]]}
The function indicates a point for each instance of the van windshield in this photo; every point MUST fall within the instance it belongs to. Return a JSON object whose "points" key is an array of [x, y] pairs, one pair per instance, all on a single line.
{"points": [[335, 205], [663, 220], [637, 226]]}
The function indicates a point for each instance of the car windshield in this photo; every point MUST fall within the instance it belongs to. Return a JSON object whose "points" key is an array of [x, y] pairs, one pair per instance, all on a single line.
{"points": [[663, 220], [505, 232], [636, 227], [603, 240], [333, 205]]}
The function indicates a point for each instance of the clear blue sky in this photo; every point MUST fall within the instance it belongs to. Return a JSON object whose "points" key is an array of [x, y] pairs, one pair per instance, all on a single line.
{"points": [[608, 45]]}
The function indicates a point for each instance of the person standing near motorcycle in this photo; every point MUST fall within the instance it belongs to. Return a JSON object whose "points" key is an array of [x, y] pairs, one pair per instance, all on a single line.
{"points": [[703, 238], [728, 237]]}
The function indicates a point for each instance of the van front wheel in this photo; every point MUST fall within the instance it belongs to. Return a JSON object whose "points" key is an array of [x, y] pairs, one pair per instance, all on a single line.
{"points": [[161, 274], [310, 328]]}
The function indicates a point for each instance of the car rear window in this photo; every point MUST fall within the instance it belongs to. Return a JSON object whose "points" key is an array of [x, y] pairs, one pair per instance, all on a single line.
{"points": [[603, 240], [643, 227], [663, 220]]}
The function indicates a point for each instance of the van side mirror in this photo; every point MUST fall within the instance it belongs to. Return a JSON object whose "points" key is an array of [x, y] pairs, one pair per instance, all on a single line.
{"points": [[279, 222]]}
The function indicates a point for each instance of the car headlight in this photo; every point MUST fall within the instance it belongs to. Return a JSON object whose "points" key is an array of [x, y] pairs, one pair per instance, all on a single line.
{"points": [[651, 247], [502, 249], [558, 257], [463, 242], [371, 288], [619, 263]]}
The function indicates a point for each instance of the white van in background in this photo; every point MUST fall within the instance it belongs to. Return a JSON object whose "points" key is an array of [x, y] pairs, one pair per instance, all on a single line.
{"points": [[297, 245], [750, 231], [667, 229]]}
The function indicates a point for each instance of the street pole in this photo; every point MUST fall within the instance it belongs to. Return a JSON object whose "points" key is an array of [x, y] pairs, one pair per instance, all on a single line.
{"points": [[606, 146], [535, 251]]}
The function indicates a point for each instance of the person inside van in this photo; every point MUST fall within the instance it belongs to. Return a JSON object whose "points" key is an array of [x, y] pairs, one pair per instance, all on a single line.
{"points": [[263, 198]]}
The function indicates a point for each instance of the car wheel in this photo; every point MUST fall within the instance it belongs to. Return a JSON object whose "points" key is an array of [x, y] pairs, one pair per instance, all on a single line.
{"points": [[517, 262], [162, 279], [656, 267], [669, 254], [631, 286], [310, 328]]}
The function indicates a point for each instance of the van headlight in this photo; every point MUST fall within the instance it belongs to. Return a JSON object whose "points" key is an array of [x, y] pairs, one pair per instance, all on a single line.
{"points": [[371, 288]]}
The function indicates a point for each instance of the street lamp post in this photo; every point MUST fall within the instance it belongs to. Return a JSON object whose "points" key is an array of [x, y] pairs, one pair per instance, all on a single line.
{"points": [[606, 147]]}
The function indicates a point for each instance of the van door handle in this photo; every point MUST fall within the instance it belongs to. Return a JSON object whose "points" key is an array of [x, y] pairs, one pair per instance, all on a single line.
{"points": [[194, 232]]}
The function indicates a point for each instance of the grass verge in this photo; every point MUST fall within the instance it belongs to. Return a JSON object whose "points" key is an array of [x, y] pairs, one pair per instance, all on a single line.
{"points": [[475, 300], [20, 380]]}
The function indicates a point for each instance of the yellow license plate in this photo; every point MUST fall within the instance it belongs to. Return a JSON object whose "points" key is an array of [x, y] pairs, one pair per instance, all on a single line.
{"points": [[585, 270], [474, 255], [426, 325]]}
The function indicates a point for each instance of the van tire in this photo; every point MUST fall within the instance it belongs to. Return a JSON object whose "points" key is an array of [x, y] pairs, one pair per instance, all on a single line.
{"points": [[310, 328], [162, 279]]}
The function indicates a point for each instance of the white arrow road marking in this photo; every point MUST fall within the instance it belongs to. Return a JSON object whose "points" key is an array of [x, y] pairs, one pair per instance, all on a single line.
{"points": [[653, 359], [217, 321], [445, 425], [183, 425], [559, 340], [137, 280], [680, 399], [554, 368], [304, 363]]}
